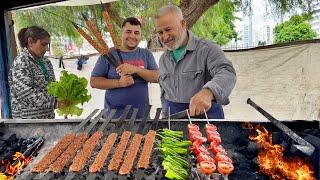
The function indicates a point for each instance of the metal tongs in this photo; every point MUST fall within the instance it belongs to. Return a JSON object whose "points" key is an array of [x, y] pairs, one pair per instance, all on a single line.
{"points": [[303, 145], [112, 60]]}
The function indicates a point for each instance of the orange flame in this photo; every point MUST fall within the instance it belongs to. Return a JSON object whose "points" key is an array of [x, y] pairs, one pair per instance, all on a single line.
{"points": [[11, 169], [274, 164], [3, 176]]}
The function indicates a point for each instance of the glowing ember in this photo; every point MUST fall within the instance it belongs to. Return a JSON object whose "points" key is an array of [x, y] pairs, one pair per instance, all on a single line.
{"points": [[274, 164], [19, 162]]}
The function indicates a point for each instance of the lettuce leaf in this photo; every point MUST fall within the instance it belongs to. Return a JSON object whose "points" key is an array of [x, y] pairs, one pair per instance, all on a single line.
{"points": [[72, 89]]}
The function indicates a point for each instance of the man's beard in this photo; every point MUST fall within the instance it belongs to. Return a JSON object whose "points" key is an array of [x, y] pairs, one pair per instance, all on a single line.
{"points": [[178, 43]]}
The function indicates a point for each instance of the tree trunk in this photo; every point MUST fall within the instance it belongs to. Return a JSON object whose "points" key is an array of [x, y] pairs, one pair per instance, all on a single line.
{"points": [[192, 10]]}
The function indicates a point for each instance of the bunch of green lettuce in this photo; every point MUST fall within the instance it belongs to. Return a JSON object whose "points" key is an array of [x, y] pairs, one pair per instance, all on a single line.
{"points": [[69, 91]]}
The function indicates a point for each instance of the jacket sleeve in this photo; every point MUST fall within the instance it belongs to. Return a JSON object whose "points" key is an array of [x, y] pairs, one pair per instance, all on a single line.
{"points": [[222, 72], [22, 78]]}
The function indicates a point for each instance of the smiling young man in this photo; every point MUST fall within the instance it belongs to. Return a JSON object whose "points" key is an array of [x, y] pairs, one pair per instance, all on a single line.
{"points": [[128, 83], [194, 74]]}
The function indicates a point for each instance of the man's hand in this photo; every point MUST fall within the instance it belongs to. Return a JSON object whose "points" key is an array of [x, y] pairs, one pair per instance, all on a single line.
{"points": [[200, 102], [126, 81], [127, 69]]}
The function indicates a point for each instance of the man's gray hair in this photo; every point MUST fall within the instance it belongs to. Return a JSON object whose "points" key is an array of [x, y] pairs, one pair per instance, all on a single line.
{"points": [[169, 9]]}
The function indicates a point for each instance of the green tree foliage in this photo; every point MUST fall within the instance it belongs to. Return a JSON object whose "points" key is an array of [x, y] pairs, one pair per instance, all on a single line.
{"points": [[296, 28], [79, 42], [217, 24], [146, 9], [57, 20]]}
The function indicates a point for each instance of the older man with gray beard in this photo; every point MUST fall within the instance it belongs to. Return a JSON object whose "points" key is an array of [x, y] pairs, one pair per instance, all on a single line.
{"points": [[194, 73]]}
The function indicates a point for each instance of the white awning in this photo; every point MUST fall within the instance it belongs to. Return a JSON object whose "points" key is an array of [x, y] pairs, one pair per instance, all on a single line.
{"points": [[80, 2], [73, 3]]}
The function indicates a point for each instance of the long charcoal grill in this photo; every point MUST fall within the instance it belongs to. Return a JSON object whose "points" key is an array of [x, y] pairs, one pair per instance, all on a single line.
{"points": [[234, 139]]}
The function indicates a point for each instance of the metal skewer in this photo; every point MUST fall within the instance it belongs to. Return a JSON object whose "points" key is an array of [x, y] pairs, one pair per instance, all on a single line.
{"points": [[169, 118], [189, 116], [205, 113]]}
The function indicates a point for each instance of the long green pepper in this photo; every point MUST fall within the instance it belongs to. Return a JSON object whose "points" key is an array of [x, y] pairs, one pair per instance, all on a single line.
{"points": [[175, 152]]}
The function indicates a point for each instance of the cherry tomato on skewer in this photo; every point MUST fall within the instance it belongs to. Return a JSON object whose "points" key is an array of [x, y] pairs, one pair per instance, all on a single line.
{"points": [[197, 149], [216, 133], [196, 137], [197, 143], [193, 127], [207, 167], [191, 131], [222, 157], [215, 149], [204, 157], [211, 127], [214, 138], [212, 145], [225, 167]]}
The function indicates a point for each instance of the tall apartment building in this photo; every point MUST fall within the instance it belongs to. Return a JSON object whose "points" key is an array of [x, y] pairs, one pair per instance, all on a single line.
{"points": [[315, 21]]}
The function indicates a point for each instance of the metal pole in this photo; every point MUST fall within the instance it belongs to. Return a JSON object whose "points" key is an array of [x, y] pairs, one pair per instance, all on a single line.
{"points": [[4, 67]]}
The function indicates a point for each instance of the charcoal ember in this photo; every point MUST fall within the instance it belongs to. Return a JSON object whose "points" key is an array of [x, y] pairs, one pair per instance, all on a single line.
{"points": [[125, 177], [60, 175], [244, 174], [241, 142], [194, 173], [8, 154], [2, 168], [160, 174], [151, 178], [262, 177], [255, 161], [238, 157], [16, 147], [12, 139], [23, 149], [149, 171], [277, 137], [242, 166], [242, 149], [252, 150], [254, 165], [3, 144]]}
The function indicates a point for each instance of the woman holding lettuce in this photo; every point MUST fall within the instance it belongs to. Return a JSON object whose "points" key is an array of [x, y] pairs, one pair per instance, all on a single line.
{"points": [[30, 75]]}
